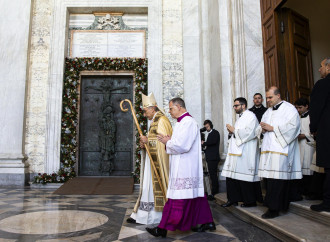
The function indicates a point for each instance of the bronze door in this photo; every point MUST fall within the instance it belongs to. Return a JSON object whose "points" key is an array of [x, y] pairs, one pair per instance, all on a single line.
{"points": [[105, 132]]}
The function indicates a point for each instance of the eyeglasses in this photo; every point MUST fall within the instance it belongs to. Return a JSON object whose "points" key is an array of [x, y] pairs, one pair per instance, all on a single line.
{"points": [[236, 105]]}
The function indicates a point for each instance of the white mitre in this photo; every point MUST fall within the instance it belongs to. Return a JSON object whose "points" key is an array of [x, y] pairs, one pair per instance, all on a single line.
{"points": [[148, 101]]}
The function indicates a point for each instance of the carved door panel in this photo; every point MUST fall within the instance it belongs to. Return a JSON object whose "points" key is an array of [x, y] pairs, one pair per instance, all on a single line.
{"points": [[270, 43], [105, 132], [296, 54]]}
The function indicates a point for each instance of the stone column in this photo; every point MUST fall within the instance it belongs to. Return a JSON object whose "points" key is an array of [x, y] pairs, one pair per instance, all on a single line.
{"points": [[14, 43]]}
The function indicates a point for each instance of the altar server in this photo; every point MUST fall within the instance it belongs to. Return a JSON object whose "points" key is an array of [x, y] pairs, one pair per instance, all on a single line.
{"points": [[149, 206], [187, 206], [306, 145], [280, 157], [241, 165]]}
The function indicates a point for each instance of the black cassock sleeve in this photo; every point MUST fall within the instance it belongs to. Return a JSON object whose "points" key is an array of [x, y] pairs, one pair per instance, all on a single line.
{"points": [[317, 104]]}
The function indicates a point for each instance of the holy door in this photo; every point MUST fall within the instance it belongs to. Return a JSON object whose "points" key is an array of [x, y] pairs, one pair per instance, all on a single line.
{"points": [[105, 132]]}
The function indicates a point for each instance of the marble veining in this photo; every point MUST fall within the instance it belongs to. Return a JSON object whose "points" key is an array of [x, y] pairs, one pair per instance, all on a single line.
{"points": [[52, 222], [44, 216]]}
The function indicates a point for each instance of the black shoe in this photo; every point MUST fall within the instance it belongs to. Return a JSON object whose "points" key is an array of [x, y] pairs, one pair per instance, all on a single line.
{"points": [[248, 205], [131, 220], [320, 207], [296, 199], [314, 197], [157, 232], [210, 198], [204, 227], [228, 204], [270, 214]]}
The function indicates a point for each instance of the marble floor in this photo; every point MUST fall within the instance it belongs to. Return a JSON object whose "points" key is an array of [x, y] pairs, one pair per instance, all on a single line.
{"points": [[39, 215]]}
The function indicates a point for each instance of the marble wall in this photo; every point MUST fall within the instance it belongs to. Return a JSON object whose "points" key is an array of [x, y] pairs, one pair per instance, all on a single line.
{"points": [[14, 44], [241, 56]]}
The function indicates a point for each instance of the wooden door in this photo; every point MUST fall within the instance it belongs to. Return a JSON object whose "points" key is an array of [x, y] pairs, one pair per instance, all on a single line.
{"points": [[296, 61], [287, 51], [270, 41]]}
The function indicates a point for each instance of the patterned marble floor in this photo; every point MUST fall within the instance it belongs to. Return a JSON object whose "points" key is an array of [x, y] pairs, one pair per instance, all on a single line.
{"points": [[40, 215]]}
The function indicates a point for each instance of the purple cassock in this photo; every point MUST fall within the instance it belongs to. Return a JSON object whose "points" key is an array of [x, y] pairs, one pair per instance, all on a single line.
{"points": [[186, 207], [183, 214]]}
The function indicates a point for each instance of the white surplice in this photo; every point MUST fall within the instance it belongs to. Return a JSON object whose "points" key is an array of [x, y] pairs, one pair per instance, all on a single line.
{"points": [[280, 156], [243, 152], [186, 167], [306, 147], [146, 213]]}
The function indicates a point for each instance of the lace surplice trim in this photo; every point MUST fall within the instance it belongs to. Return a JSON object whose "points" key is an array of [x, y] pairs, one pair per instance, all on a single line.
{"points": [[186, 183], [146, 206]]}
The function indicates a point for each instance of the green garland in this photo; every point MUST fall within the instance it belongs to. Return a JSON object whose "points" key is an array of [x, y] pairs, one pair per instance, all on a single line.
{"points": [[73, 67]]}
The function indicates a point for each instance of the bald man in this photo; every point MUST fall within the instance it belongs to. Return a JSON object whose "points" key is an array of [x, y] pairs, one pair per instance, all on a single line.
{"points": [[280, 157]]}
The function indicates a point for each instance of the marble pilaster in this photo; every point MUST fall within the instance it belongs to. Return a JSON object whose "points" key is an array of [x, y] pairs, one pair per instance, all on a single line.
{"points": [[37, 86], [213, 97], [172, 67], [193, 58]]}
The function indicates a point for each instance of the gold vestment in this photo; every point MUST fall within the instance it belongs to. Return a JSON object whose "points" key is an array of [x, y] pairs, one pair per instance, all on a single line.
{"points": [[160, 125]]}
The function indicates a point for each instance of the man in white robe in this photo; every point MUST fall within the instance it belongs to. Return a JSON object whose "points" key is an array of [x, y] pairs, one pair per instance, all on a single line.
{"points": [[187, 205], [306, 145], [280, 157], [241, 165], [149, 206]]}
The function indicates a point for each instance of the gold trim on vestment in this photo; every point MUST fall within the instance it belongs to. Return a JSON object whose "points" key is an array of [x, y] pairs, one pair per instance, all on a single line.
{"points": [[273, 152], [234, 154]]}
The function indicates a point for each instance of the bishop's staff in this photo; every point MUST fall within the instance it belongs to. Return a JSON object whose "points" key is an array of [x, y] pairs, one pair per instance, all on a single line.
{"points": [[145, 145]]}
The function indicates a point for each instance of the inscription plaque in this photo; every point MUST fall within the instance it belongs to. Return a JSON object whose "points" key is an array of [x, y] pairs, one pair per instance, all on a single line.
{"points": [[115, 44]]}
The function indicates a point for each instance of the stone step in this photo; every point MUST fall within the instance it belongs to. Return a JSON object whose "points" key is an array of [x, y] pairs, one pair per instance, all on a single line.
{"points": [[302, 208], [287, 227]]}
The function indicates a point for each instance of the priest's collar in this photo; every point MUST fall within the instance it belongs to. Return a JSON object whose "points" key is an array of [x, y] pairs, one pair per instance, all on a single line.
{"points": [[240, 115], [182, 116], [277, 105], [305, 114], [258, 106]]}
